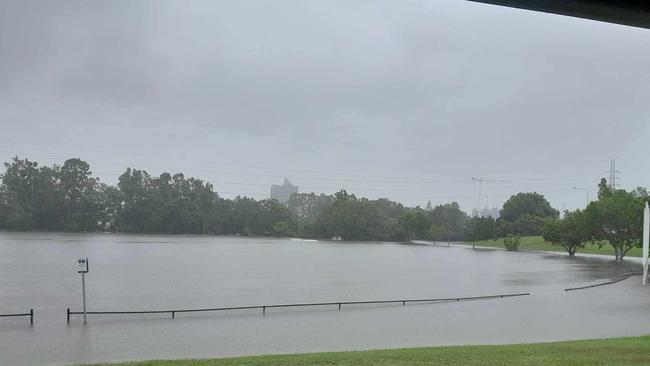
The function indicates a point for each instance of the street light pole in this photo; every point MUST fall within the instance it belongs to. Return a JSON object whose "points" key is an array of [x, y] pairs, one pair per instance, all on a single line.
{"points": [[584, 190]]}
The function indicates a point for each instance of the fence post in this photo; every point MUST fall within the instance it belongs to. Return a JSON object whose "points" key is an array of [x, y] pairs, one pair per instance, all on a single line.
{"points": [[339, 306], [31, 316], [68, 315], [263, 310], [173, 315]]}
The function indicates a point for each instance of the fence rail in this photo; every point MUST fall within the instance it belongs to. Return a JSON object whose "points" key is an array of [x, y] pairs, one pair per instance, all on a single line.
{"points": [[172, 313], [623, 277], [30, 315]]}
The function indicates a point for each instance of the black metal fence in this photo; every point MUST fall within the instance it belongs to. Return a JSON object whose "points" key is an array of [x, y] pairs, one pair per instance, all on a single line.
{"points": [[15, 318], [623, 277], [173, 313]]}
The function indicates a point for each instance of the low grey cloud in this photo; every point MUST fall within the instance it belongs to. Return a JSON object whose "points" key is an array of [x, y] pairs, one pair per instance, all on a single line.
{"points": [[384, 89]]}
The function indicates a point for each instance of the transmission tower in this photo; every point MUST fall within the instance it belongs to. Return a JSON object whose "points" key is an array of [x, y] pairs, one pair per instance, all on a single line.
{"points": [[613, 174], [480, 181]]}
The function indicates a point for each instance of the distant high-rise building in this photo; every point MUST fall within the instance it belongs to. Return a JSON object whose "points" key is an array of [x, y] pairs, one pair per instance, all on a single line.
{"points": [[486, 212], [284, 191]]}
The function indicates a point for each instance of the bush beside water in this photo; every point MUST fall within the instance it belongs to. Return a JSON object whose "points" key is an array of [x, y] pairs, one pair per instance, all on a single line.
{"points": [[511, 242]]}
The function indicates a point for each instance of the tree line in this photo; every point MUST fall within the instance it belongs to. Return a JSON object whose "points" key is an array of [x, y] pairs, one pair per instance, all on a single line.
{"points": [[522, 214], [69, 198], [615, 219]]}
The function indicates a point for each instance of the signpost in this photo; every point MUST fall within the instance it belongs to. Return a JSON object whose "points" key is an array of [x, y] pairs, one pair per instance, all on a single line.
{"points": [[646, 241], [82, 265]]}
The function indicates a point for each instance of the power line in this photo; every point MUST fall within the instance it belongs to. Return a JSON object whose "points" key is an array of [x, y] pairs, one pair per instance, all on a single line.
{"points": [[214, 179], [361, 179], [499, 191], [375, 189], [395, 198]]}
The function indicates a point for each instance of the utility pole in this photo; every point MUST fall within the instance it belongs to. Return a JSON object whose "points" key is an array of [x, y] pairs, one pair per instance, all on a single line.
{"points": [[480, 181]]}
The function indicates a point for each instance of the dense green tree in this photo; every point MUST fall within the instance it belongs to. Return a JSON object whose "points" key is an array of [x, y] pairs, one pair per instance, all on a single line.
{"points": [[75, 176], [603, 189], [48, 206], [137, 211], [306, 208], [529, 203], [439, 233], [281, 229], [451, 219], [81, 196], [526, 225], [616, 218], [529, 225], [349, 218], [570, 232], [389, 213], [247, 216], [505, 227], [190, 205], [481, 228], [276, 215], [524, 214], [20, 181], [111, 203], [4, 207], [415, 224], [390, 209], [220, 219], [31, 196]]}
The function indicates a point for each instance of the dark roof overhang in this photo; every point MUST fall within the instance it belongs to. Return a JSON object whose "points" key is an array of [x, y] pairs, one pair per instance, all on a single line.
{"points": [[635, 13]]}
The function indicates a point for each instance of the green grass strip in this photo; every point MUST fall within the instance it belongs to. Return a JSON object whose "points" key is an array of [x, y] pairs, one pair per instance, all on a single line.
{"points": [[537, 243], [618, 351]]}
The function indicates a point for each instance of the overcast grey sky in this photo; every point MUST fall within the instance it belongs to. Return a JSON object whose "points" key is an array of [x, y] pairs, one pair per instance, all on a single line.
{"points": [[401, 99]]}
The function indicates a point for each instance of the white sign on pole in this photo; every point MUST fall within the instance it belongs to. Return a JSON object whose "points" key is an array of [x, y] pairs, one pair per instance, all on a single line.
{"points": [[82, 265], [646, 241]]}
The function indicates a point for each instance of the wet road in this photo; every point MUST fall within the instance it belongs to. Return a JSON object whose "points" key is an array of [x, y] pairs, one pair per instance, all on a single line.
{"points": [[137, 272]]}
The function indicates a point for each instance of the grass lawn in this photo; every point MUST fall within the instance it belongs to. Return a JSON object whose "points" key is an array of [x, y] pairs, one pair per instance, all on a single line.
{"points": [[618, 351], [538, 243]]}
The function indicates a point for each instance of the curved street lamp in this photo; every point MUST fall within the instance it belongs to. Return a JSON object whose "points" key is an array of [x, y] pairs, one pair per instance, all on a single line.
{"points": [[584, 190]]}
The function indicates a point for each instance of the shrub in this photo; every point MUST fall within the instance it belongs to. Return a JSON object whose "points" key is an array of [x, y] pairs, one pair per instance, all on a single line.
{"points": [[511, 242], [20, 220], [281, 228]]}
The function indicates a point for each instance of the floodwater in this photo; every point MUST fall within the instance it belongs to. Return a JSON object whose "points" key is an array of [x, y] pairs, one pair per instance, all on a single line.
{"points": [[143, 272]]}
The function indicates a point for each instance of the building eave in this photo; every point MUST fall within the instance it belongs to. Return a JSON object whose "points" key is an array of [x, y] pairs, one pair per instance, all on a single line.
{"points": [[625, 12]]}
